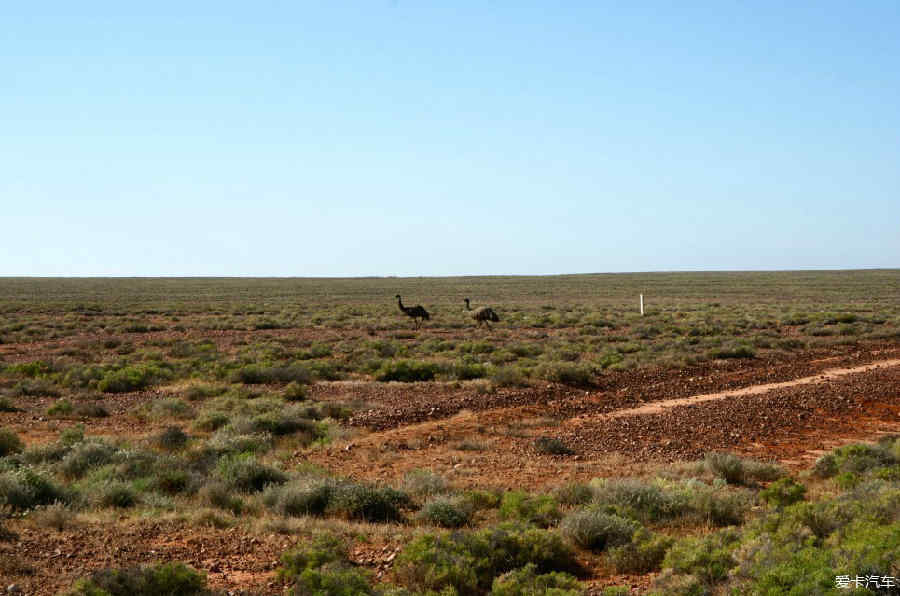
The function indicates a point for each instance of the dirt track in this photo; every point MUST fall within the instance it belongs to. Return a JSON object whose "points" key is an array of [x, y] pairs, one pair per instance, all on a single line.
{"points": [[823, 405]]}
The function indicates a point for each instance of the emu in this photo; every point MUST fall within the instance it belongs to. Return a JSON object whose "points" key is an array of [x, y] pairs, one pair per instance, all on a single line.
{"points": [[416, 312], [485, 314]]}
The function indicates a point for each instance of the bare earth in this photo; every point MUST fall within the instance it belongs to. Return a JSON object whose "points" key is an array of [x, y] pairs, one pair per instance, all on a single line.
{"points": [[786, 408]]}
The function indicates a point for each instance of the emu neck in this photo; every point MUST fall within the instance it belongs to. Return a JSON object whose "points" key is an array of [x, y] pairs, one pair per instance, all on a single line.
{"points": [[400, 303]]}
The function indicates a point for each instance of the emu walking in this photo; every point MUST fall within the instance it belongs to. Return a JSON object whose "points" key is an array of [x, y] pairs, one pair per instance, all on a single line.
{"points": [[485, 314], [416, 312]]}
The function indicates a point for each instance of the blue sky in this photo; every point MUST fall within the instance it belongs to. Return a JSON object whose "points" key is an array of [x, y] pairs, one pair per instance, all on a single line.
{"points": [[442, 138]]}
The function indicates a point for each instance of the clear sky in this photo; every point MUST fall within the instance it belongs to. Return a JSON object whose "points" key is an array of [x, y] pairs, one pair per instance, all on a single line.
{"points": [[440, 138]]}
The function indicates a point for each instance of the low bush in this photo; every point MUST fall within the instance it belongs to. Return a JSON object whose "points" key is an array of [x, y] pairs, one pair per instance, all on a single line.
{"points": [[294, 391], [783, 492], [116, 493], [642, 554], [527, 581], [61, 407], [155, 580], [566, 373], [447, 512], [23, 488], [709, 558], [733, 351], [323, 569], [10, 442], [245, 474], [574, 494], [424, 483], [171, 439], [407, 371], [593, 529], [468, 562], [211, 421], [508, 376], [131, 378], [306, 496], [35, 388], [90, 410], [742, 471], [218, 495], [254, 374], [87, 455], [367, 503], [541, 510]]}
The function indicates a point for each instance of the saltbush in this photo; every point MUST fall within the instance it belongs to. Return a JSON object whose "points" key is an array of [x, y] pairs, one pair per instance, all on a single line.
{"points": [[784, 492], [407, 371], [469, 561], [24, 488], [245, 474], [446, 512], [166, 579], [9, 442], [593, 529], [541, 510], [528, 582]]}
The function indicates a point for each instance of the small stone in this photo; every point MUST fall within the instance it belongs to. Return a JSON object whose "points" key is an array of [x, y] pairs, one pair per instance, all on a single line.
{"points": [[14, 589]]}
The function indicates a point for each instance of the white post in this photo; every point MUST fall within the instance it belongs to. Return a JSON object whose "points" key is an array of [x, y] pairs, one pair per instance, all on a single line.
{"points": [[642, 305]]}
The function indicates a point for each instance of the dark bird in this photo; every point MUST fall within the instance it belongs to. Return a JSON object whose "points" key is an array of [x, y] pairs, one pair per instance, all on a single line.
{"points": [[485, 314], [416, 312]]}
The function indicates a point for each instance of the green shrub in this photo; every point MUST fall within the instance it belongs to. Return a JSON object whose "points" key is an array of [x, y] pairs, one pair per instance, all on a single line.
{"points": [[566, 373], [367, 503], [643, 554], [294, 391], [508, 376], [23, 488], [469, 561], [733, 351], [10, 442], [784, 492], [593, 529], [244, 473], [211, 421], [61, 407], [171, 439], [709, 558], [308, 496], [131, 378], [116, 494], [541, 510], [552, 446], [737, 470], [199, 391], [218, 495], [424, 483], [466, 371], [638, 499], [165, 579], [91, 410], [322, 569], [324, 549], [168, 407], [407, 371], [447, 512], [254, 374], [35, 388], [86, 456], [527, 582], [574, 493]]}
